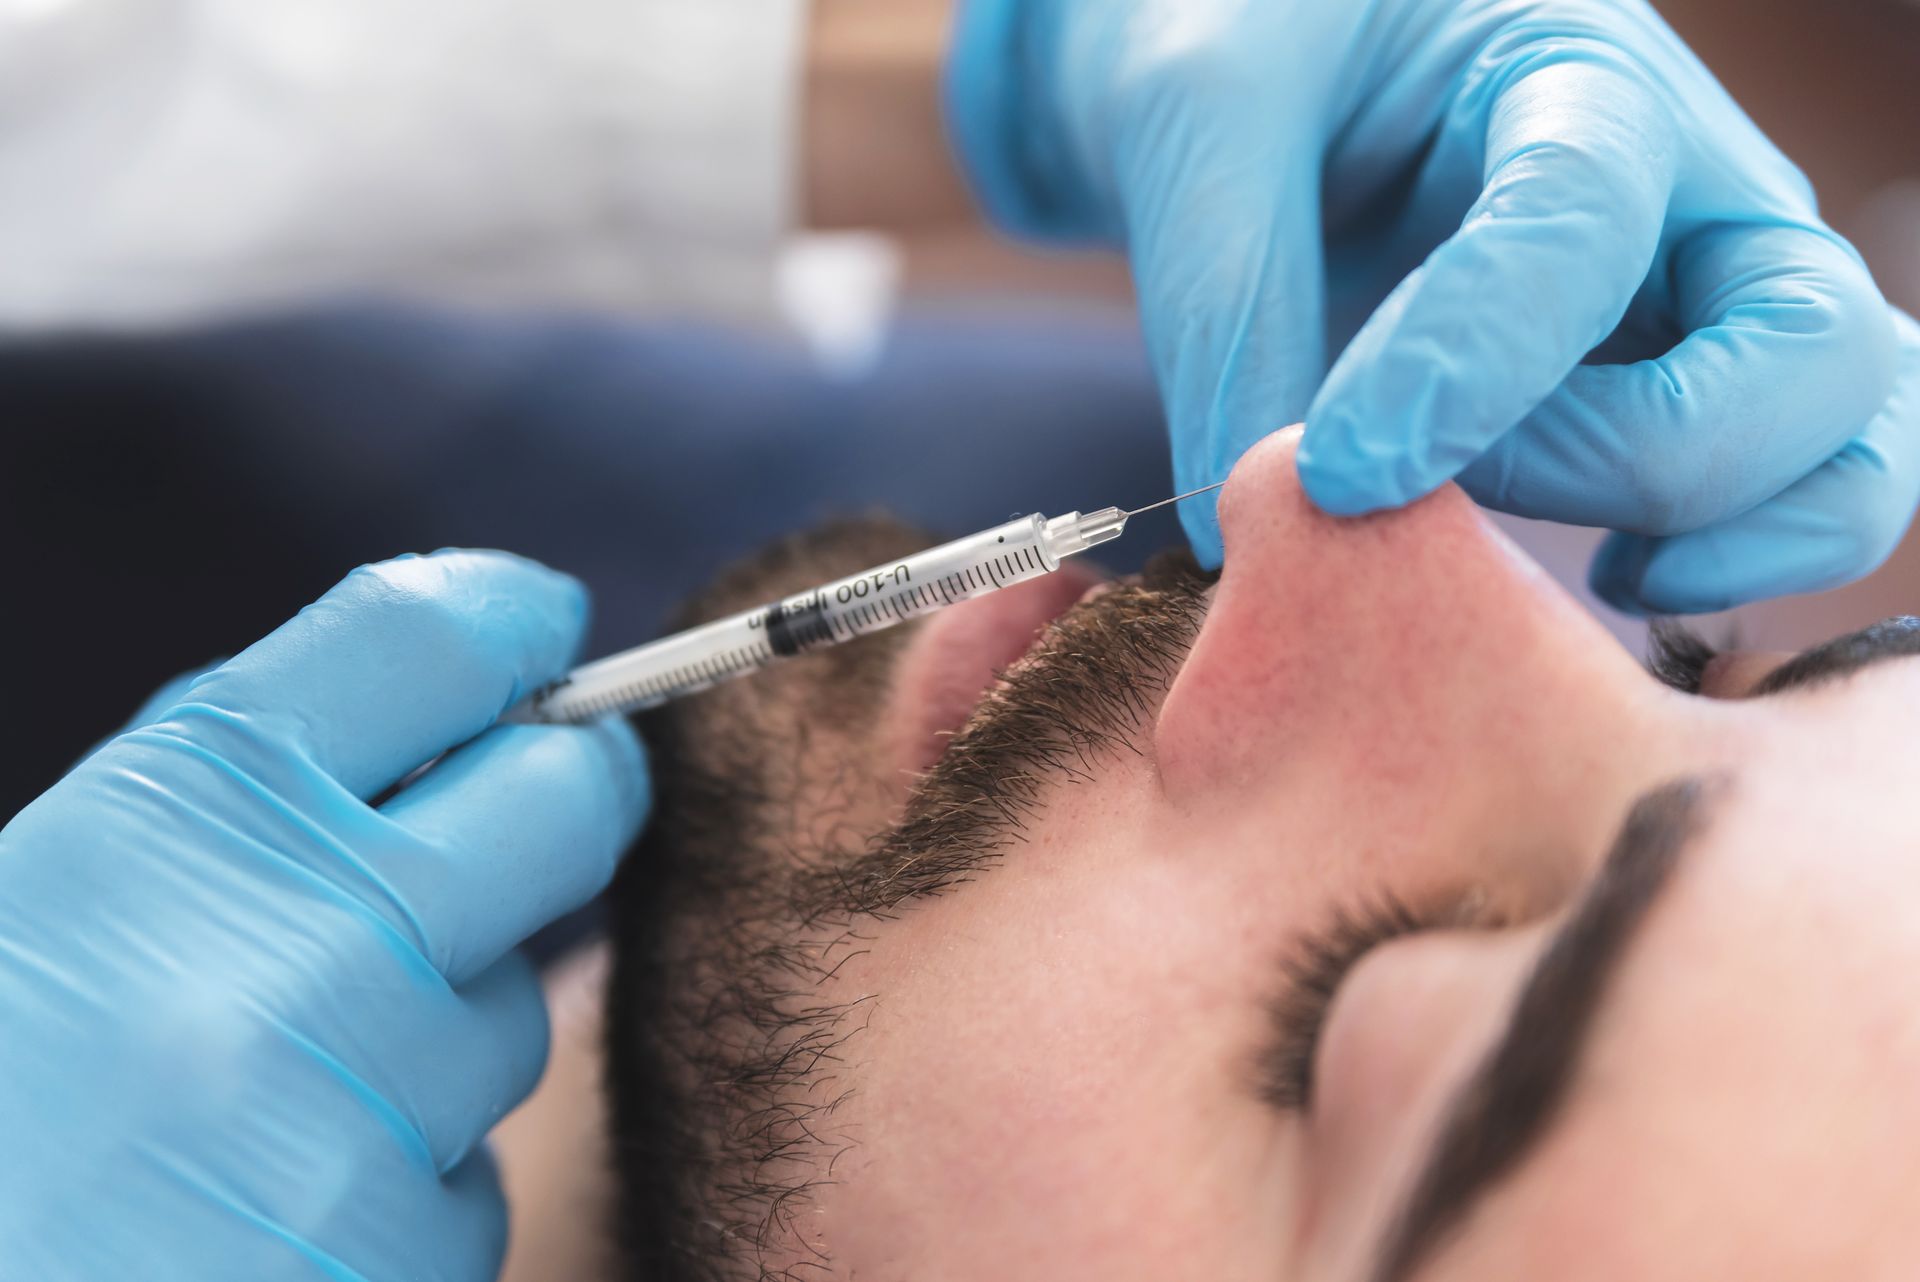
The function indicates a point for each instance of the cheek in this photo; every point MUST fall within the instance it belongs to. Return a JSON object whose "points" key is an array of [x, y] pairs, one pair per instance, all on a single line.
{"points": [[1052, 1084]]}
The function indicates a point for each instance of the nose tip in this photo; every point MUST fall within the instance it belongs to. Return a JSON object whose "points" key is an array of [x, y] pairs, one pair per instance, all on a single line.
{"points": [[1264, 498], [1265, 476]]}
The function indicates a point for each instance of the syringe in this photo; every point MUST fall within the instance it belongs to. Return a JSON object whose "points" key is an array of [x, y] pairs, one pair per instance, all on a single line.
{"points": [[870, 601]]}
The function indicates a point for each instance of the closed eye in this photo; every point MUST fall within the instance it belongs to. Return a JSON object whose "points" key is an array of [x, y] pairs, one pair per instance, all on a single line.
{"points": [[1678, 657], [1312, 971]]}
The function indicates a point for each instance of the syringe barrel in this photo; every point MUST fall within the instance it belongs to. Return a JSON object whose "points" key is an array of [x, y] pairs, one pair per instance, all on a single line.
{"points": [[871, 601]]}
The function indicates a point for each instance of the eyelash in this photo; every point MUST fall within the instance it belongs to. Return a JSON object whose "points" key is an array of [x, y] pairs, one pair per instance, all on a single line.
{"points": [[1313, 974], [1677, 656]]}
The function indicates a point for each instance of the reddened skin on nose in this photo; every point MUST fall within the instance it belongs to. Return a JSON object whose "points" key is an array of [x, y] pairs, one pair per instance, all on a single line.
{"points": [[1412, 660], [1321, 620]]}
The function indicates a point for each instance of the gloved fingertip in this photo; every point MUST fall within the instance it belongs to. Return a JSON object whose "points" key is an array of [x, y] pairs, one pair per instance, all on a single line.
{"points": [[474, 1189], [561, 599], [1614, 576], [1335, 493], [1202, 524], [612, 751], [558, 585], [627, 758], [1623, 597], [1339, 489], [570, 596], [1344, 471], [1690, 576], [1643, 577]]}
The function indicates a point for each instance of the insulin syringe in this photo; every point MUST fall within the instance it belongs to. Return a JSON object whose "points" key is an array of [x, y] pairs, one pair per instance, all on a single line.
{"points": [[839, 611]]}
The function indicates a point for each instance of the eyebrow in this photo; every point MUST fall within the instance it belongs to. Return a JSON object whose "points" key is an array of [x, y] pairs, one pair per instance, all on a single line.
{"points": [[1506, 1106], [1843, 656]]}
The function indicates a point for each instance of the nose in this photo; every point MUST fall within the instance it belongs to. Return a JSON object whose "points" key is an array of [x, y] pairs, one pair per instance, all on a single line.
{"points": [[1403, 661]]}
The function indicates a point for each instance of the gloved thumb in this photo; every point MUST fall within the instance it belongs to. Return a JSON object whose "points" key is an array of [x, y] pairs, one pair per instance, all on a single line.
{"points": [[1232, 299]]}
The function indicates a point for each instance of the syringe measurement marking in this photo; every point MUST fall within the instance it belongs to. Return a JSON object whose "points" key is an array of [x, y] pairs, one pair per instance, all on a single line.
{"points": [[685, 677], [881, 609], [919, 598]]}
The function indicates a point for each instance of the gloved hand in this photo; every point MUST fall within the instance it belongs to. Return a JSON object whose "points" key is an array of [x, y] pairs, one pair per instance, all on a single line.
{"points": [[256, 1028], [1591, 290]]}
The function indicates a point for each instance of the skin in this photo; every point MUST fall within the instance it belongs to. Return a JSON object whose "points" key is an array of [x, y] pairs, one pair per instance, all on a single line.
{"points": [[1058, 1077], [1058, 1074]]}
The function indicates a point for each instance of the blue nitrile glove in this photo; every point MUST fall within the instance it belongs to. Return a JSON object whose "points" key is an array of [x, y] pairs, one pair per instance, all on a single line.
{"points": [[256, 1028], [1496, 188]]}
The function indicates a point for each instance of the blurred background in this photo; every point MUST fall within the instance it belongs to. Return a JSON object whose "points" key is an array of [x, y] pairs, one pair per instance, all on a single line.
{"points": [[167, 499]]}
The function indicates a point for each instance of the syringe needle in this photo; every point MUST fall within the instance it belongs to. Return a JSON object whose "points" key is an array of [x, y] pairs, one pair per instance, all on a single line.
{"points": [[1175, 499]]}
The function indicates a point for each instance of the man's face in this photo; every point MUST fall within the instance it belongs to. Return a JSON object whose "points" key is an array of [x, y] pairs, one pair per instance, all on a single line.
{"points": [[1328, 951]]}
